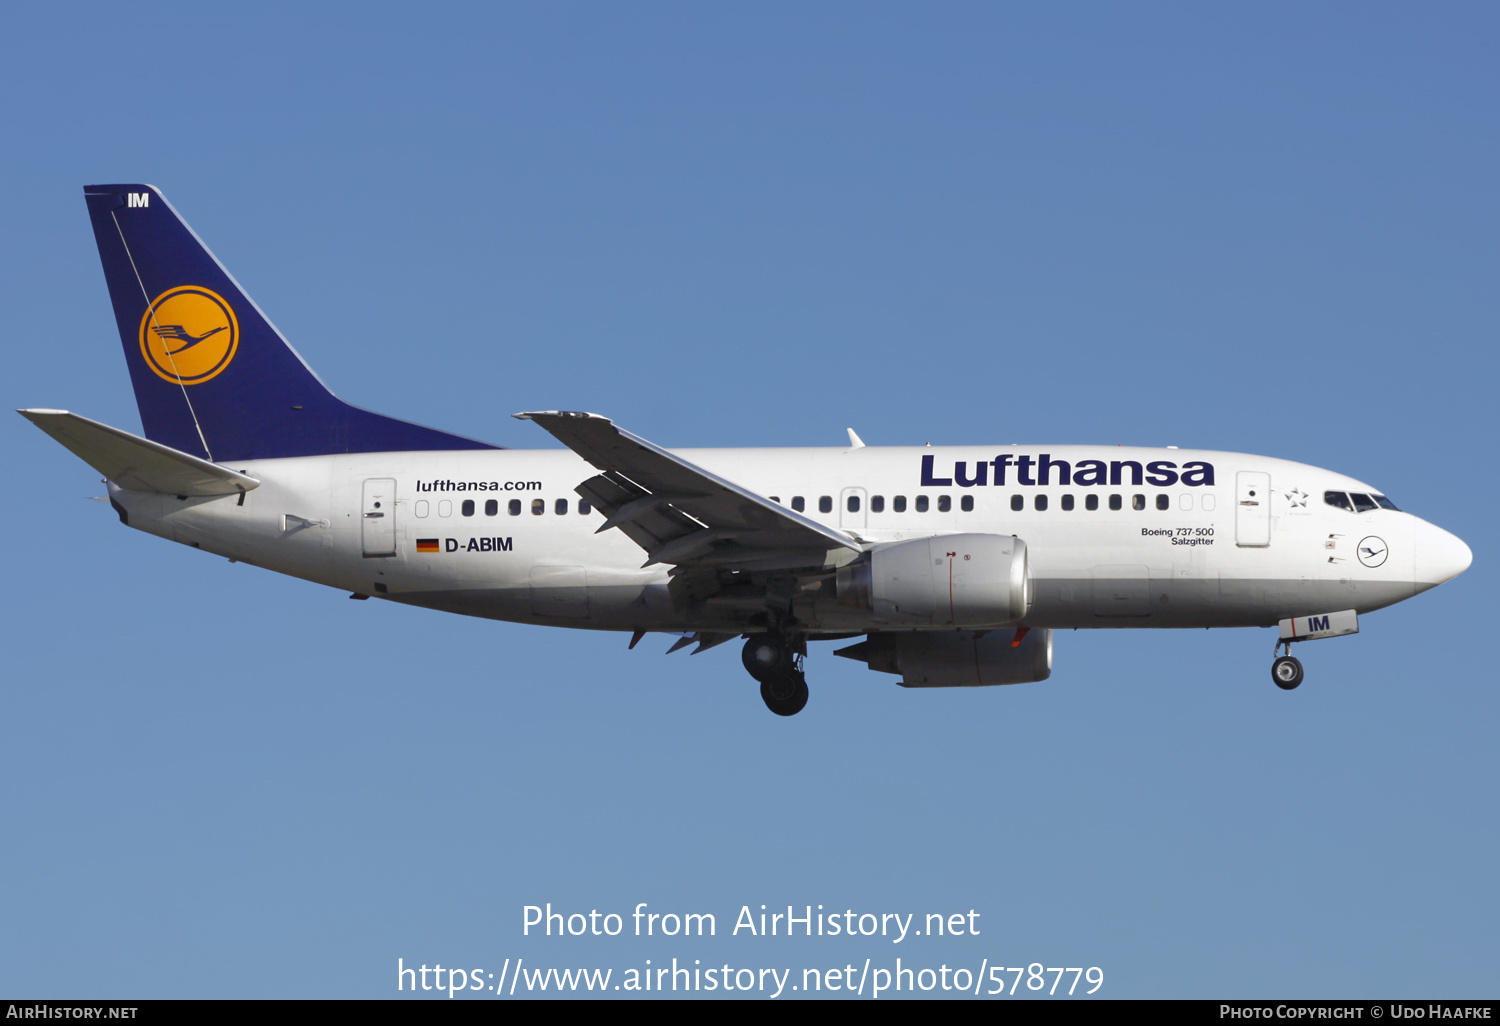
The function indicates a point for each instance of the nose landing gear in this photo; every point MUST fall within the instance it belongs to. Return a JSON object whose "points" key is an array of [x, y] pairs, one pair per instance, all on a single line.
{"points": [[1287, 670], [772, 658]]}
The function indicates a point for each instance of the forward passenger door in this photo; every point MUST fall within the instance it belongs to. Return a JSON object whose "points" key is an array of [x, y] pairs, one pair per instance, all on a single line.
{"points": [[1252, 509]]}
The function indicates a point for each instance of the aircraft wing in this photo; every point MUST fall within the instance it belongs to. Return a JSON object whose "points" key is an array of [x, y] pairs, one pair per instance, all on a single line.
{"points": [[682, 514]]}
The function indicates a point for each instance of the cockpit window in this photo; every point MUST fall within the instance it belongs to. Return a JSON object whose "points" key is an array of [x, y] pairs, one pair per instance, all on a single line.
{"points": [[1361, 503]]}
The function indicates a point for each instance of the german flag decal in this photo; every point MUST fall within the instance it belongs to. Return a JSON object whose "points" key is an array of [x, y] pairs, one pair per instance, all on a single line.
{"points": [[427, 545]]}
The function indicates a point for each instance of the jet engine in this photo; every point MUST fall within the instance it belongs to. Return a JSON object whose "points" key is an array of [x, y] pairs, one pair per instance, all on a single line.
{"points": [[951, 580], [957, 659]]}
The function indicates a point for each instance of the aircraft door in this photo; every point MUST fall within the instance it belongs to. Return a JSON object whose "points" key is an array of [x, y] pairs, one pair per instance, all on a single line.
{"points": [[378, 522], [1252, 509], [852, 502]]}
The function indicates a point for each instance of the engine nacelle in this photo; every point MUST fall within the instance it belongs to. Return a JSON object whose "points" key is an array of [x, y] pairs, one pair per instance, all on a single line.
{"points": [[951, 580], [957, 659]]}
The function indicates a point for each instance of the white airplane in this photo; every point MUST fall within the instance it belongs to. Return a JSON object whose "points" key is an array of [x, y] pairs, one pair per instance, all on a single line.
{"points": [[954, 564]]}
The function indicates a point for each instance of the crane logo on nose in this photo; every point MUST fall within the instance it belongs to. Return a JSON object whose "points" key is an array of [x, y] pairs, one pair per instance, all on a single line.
{"points": [[188, 335], [1372, 551]]}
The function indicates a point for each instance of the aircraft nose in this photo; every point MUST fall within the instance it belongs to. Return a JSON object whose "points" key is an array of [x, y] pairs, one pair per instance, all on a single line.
{"points": [[1439, 557]]}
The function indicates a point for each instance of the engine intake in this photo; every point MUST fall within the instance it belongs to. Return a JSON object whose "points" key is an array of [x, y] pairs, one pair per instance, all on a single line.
{"points": [[951, 580]]}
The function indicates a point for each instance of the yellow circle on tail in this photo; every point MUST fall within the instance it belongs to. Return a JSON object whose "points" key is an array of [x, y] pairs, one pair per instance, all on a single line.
{"points": [[189, 334]]}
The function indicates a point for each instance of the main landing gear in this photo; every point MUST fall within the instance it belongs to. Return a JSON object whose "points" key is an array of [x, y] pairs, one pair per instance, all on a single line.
{"points": [[774, 659], [1287, 670]]}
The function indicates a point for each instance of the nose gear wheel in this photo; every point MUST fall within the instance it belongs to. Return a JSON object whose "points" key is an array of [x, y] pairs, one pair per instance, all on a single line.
{"points": [[1286, 672]]}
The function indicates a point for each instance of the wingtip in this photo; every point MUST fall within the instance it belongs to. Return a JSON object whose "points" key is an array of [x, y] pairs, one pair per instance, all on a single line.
{"points": [[41, 418]]}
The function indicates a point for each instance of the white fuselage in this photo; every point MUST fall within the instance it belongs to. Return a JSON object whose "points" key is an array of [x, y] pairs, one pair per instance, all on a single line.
{"points": [[1212, 557]]}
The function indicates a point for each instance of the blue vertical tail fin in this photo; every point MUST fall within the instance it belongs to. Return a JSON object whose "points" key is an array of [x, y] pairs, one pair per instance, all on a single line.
{"points": [[213, 377]]}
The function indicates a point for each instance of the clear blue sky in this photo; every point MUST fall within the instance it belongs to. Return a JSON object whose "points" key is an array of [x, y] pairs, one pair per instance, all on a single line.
{"points": [[1268, 228]]}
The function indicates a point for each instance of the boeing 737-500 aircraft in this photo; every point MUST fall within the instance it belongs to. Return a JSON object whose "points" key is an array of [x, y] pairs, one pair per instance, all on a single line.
{"points": [[954, 564]]}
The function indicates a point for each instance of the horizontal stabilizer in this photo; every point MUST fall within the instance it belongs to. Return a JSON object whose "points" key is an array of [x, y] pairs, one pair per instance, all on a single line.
{"points": [[135, 463]]}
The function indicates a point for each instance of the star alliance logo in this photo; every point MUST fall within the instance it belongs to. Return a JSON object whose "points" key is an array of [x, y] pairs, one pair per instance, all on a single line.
{"points": [[1297, 497]]}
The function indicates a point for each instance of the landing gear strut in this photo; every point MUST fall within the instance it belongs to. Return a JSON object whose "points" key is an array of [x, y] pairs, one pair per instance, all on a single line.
{"points": [[1287, 670], [772, 658]]}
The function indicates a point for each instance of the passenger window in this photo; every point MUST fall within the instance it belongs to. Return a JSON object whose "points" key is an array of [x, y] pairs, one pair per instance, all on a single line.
{"points": [[1338, 499], [467, 509], [1386, 503], [421, 508], [898, 504], [825, 504], [921, 504], [1162, 502], [774, 498], [967, 503], [1184, 501], [538, 507], [1017, 503], [584, 508], [798, 503], [853, 504], [491, 507], [1040, 502], [945, 504], [515, 507], [1137, 502], [1207, 502], [1091, 502], [1114, 502], [561, 507], [1362, 503], [1067, 503], [877, 504]]}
